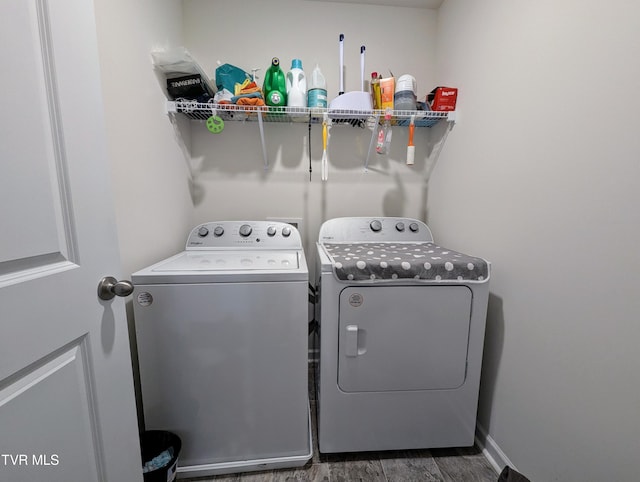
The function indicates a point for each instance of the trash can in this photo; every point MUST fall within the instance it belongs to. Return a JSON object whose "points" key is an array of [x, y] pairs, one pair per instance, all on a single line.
{"points": [[160, 450]]}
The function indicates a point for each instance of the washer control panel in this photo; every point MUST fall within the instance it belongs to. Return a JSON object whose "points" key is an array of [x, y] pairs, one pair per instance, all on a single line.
{"points": [[384, 229], [234, 234]]}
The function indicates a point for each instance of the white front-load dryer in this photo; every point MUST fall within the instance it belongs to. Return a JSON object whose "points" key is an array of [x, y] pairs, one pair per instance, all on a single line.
{"points": [[401, 330], [222, 337]]}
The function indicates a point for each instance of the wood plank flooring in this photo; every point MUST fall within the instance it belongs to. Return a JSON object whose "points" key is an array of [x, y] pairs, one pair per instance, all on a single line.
{"points": [[442, 465]]}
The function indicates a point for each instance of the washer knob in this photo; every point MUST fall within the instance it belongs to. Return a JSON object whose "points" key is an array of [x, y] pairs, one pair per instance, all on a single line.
{"points": [[414, 227], [218, 231], [286, 231], [271, 231], [375, 225], [400, 226], [203, 231], [245, 230]]}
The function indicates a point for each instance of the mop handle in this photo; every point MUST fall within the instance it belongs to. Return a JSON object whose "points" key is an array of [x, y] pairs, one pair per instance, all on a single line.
{"points": [[362, 49], [324, 163], [341, 64]]}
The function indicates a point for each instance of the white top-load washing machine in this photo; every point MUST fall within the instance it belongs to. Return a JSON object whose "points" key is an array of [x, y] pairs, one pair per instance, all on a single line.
{"points": [[222, 336], [401, 330]]}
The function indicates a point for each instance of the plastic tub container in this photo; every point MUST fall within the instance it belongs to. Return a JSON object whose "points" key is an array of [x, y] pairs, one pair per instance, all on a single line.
{"points": [[405, 93], [404, 100], [406, 82]]}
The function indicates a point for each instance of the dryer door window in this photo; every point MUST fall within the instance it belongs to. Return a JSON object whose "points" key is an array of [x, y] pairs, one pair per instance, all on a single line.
{"points": [[403, 337]]}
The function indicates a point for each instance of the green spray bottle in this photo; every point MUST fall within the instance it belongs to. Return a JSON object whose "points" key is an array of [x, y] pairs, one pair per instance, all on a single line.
{"points": [[274, 87]]}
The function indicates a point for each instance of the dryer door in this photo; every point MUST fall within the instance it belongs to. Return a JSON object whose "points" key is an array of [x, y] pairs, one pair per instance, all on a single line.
{"points": [[403, 337]]}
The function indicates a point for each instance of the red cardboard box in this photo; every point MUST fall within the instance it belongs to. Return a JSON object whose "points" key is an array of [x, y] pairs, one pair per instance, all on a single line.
{"points": [[443, 98]]}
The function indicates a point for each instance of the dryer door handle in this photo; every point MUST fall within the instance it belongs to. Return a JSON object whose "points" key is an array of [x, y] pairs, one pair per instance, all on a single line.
{"points": [[351, 341]]}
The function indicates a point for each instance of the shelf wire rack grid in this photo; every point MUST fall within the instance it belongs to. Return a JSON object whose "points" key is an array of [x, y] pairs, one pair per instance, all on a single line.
{"points": [[232, 112]]}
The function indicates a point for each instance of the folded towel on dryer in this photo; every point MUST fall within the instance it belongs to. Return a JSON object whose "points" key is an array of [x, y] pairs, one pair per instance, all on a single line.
{"points": [[400, 261]]}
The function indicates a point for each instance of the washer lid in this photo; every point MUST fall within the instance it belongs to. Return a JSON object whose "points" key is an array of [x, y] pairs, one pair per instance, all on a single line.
{"points": [[243, 260], [217, 266]]}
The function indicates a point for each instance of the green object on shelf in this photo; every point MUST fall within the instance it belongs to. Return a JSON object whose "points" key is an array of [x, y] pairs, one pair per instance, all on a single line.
{"points": [[274, 87], [215, 124]]}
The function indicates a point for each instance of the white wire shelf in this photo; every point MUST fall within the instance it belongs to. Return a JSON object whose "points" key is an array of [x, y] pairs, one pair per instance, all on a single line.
{"points": [[233, 112]]}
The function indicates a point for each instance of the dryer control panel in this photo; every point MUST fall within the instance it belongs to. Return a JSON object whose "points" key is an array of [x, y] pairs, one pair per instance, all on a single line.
{"points": [[254, 234], [383, 229]]}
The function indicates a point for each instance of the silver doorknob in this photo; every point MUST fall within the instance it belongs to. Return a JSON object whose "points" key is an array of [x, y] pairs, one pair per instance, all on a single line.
{"points": [[109, 287]]}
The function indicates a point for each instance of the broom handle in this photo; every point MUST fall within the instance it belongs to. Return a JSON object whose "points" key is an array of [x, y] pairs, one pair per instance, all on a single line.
{"points": [[341, 64], [362, 49]]}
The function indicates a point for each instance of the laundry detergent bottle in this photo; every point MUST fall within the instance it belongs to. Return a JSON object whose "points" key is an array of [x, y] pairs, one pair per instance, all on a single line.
{"points": [[317, 95], [296, 85], [274, 88]]}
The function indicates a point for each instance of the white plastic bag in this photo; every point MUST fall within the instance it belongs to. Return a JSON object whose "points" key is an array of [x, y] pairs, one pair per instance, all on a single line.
{"points": [[179, 62]]}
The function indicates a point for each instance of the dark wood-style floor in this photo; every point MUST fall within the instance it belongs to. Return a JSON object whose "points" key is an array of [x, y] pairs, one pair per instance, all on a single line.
{"points": [[443, 465]]}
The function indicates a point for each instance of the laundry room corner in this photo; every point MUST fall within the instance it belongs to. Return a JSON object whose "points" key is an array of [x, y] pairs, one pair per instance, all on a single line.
{"points": [[150, 167], [538, 175], [239, 183], [541, 177]]}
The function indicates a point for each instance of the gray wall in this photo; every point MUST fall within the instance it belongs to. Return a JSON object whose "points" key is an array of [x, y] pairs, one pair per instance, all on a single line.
{"points": [[170, 174], [228, 167], [151, 175], [541, 176]]}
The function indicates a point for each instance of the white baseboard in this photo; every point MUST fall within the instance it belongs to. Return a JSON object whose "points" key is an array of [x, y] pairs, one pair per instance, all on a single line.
{"points": [[490, 449]]}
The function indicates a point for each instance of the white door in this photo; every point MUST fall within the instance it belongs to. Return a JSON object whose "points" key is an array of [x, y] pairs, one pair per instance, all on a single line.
{"points": [[67, 410]]}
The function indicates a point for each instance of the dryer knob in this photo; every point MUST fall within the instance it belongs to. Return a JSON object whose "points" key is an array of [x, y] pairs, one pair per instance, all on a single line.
{"points": [[375, 225], [271, 231], [414, 227], [203, 231], [286, 231], [245, 230], [218, 231], [400, 226]]}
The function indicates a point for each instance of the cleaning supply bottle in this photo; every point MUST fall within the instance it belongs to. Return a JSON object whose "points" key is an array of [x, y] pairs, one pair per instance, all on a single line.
{"points": [[384, 134], [317, 95], [296, 85], [274, 88], [375, 91]]}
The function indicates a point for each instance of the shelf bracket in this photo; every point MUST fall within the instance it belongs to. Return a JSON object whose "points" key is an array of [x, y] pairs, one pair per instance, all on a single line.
{"points": [[264, 146], [371, 142], [171, 107], [432, 166]]}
